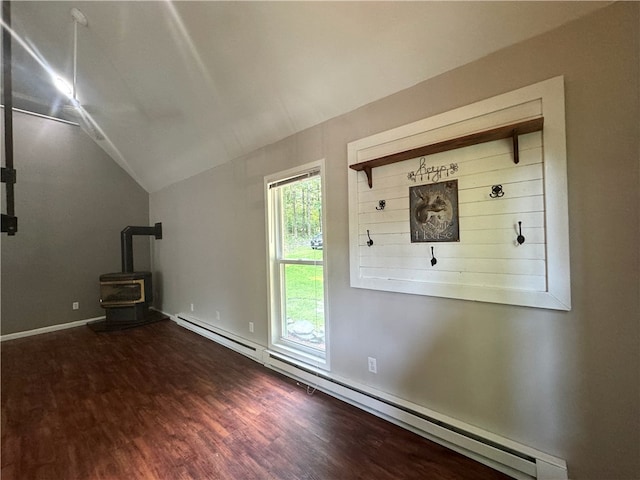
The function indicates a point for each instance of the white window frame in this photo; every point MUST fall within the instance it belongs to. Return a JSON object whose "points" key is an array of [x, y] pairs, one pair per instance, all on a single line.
{"points": [[307, 356]]}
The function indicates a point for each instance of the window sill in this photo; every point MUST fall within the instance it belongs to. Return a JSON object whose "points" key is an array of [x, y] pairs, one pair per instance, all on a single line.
{"points": [[298, 358]]}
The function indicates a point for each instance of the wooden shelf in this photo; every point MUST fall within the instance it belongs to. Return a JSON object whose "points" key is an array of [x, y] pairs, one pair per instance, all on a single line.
{"points": [[506, 131]]}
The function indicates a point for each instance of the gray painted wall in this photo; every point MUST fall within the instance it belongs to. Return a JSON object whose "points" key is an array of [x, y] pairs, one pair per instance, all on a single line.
{"points": [[566, 383], [72, 201]]}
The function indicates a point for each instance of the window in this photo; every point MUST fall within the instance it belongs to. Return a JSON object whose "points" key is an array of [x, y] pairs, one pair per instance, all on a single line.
{"points": [[297, 295]]}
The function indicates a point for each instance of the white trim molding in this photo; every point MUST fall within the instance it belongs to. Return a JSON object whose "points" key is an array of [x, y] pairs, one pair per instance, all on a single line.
{"points": [[51, 328]]}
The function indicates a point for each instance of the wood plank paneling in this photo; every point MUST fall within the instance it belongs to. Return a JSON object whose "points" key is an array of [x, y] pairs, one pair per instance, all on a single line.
{"points": [[535, 195], [487, 253]]}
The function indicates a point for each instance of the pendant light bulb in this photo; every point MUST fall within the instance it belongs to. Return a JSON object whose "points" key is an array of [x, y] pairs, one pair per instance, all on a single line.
{"points": [[64, 86]]}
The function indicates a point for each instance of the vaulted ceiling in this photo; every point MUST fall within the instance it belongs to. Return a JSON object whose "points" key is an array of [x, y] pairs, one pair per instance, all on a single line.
{"points": [[172, 89]]}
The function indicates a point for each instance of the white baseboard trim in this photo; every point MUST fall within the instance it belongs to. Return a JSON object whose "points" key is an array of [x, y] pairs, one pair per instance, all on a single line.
{"points": [[51, 328], [512, 458], [218, 335]]}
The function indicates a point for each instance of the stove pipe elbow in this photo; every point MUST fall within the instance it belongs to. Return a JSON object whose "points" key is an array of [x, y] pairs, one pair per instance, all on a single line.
{"points": [[126, 242]]}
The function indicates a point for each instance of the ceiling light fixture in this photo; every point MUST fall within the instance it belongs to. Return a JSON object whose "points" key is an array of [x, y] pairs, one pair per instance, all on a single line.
{"points": [[78, 18], [62, 85]]}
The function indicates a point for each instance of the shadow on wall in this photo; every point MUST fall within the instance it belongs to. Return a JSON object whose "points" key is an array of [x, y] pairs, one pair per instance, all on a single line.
{"points": [[158, 288]]}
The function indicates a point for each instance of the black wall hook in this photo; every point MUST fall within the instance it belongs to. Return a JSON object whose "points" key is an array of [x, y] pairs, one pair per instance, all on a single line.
{"points": [[496, 191], [520, 237], [433, 258], [381, 205], [369, 242]]}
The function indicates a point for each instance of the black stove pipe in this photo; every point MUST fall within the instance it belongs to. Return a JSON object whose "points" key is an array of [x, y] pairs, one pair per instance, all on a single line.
{"points": [[9, 220], [126, 242]]}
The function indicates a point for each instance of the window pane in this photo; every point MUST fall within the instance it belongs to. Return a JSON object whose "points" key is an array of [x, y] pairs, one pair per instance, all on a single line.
{"points": [[302, 220], [303, 300]]}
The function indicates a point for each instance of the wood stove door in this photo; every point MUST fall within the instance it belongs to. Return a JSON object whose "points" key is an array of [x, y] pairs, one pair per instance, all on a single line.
{"points": [[122, 293]]}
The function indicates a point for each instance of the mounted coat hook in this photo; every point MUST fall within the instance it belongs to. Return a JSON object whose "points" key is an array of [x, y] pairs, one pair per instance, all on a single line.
{"points": [[433, 258], [496, 191], [520, 237], [369, 242], [381, 205]]}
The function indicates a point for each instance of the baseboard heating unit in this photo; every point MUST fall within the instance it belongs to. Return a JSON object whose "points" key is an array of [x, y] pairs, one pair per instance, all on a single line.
{"points": [[229, 340], [512, 458]]}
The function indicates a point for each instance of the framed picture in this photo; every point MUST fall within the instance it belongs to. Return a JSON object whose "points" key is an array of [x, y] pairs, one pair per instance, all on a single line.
{"points": [[433, 211]]}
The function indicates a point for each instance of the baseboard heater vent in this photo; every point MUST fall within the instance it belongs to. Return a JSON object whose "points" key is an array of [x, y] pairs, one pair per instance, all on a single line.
{"points": [[516, 460], [219, 336]]}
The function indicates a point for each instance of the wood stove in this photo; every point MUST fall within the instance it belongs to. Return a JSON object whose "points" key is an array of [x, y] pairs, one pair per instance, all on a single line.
{"points": [[126, 296]]}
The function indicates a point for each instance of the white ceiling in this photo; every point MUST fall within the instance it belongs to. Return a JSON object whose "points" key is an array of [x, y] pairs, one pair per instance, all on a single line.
{"points": [[179, 87]]}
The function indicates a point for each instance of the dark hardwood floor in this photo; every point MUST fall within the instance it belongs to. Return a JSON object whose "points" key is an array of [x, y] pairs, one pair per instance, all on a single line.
{"points": [[160, 402]]}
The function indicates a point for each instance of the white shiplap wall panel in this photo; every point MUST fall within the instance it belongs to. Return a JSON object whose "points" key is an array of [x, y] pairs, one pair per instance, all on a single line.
{"points": [[515, 266], [532, 219], [463, 278], [480, 158], [523, 181], [450, 250], [503, 205], [486, 263], [499, 236], [487, 224], [515, 189]]}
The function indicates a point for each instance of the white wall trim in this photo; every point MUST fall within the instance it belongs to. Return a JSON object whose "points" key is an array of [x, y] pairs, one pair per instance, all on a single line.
{"points": [[51, 328], [218, 335], [510, 457]]}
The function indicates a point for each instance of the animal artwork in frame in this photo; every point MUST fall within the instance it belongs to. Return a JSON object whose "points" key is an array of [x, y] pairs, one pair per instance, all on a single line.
{"points": [[433, 211]]}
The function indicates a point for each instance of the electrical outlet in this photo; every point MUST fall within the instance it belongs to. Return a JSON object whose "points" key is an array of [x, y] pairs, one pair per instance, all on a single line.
{"points": [[217, 315], [75, 305], [250, 327], [192, 307], [373, 366]]}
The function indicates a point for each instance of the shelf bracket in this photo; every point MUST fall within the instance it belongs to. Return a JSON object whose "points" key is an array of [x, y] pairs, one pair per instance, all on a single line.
{"points": [[516, 149], [368, 171]]}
